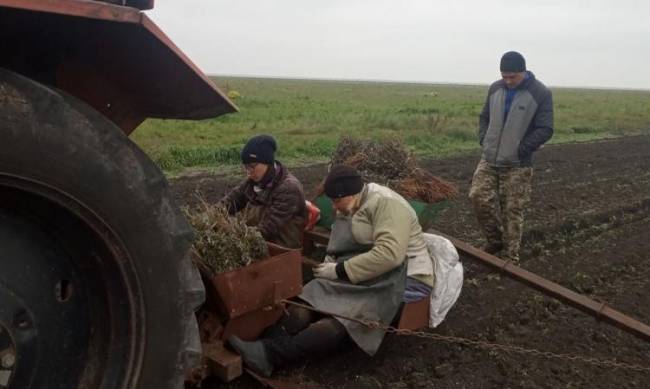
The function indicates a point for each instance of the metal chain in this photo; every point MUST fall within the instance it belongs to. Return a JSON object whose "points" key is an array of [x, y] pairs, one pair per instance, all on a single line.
{"points": [[482, 344]]}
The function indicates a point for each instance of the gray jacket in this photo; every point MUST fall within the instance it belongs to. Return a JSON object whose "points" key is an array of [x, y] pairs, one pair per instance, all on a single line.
{"points": [[528, 126]]}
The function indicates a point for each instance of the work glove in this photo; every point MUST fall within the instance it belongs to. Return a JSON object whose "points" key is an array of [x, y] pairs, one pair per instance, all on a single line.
{"points": [[326, 270]]}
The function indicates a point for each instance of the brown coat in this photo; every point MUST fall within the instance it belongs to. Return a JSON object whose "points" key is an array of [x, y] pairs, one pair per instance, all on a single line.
{"points": [[278, 211]]}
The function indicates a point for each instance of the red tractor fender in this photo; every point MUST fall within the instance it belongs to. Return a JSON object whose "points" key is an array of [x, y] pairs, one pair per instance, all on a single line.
{"points": [[113, 57]]}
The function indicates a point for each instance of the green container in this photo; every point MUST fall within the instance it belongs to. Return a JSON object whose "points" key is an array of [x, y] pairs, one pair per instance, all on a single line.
{"points": [[426, 212]]}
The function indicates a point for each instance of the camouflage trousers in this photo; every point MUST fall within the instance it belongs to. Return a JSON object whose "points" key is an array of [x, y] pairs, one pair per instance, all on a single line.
{"points": [[500, 196]]}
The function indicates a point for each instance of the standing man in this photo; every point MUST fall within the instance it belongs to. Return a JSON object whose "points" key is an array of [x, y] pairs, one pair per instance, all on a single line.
{"points": [[517, 119]]}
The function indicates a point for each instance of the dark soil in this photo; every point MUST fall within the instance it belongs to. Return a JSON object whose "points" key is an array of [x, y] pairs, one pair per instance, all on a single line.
{"points": [[588, 229]]}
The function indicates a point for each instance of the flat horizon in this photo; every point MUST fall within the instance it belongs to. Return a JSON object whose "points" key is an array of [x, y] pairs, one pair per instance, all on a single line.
{"points": [[412, 82]]}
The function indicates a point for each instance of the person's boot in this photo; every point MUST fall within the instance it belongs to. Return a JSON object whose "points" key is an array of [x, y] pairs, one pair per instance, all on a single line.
{"points": [[493, 248], [253, 354], [510, 256]]}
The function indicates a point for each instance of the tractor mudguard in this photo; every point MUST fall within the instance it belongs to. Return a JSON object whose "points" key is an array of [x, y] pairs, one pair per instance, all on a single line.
{"points": [[112, 57]]}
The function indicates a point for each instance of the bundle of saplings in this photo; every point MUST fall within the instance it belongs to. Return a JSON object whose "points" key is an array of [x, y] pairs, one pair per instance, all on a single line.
{"points": [[224, 242], [389, 162]]}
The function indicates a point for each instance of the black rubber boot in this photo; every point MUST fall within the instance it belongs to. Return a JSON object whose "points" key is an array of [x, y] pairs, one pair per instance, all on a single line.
{"points": [[253, 354], [296, 320], [318, 339]]}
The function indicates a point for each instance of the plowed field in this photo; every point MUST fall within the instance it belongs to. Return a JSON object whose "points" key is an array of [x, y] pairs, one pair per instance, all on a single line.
{"points": [[588, 229]]}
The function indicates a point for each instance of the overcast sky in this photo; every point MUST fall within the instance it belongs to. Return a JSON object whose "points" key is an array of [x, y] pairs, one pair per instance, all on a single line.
{"points": [[596, 43]]}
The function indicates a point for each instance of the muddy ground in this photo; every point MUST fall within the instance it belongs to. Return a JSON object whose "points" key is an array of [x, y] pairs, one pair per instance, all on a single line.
{"points": [[588, 229]]}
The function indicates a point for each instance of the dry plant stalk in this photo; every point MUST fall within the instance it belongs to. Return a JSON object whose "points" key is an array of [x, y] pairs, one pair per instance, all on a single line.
{"points": [[223, 242], [389, 162], [426, 187], [377, 161]]}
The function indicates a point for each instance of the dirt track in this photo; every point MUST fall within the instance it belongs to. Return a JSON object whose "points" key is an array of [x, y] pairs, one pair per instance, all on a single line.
{"points": [[588, 229]]}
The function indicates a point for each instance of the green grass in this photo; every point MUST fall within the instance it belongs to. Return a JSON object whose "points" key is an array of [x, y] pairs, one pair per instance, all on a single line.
{"points": [[307, 118]]}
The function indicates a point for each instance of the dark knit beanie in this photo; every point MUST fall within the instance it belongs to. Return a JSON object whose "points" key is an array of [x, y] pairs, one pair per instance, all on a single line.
{"points": [[342, 181], [260, 148], [512, 61]]}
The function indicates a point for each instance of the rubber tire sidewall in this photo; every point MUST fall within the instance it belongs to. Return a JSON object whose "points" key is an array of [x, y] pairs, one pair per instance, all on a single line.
{"points": [[58, 140]]}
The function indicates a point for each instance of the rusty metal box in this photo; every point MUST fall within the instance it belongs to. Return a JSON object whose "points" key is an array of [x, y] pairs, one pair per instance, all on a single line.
{"points": [[260, 285]]}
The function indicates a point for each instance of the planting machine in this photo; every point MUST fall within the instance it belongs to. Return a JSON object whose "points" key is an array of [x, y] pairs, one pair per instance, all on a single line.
{"points": [[97, 289]]}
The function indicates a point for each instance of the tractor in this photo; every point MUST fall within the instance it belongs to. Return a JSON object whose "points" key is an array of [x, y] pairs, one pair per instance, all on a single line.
{"points": [[97, 289]]}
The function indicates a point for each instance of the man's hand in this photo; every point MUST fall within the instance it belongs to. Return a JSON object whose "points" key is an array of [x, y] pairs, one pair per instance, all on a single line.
{"points": [[326, 270], [329, 259]]}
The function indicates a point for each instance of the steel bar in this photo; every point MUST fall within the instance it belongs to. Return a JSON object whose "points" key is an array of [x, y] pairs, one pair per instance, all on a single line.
{"points": [[597, 309]]}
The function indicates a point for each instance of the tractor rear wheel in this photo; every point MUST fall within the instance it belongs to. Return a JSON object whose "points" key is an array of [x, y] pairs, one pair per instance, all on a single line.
{"points": [[96, 289]]}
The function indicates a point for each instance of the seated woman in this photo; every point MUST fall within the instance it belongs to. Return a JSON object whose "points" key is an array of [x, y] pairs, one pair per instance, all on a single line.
{"points": [[271, 196], [376, 252]]}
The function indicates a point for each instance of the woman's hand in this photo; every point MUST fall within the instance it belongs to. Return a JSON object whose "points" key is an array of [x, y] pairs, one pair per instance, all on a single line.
{"points": [[326, 270]]}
